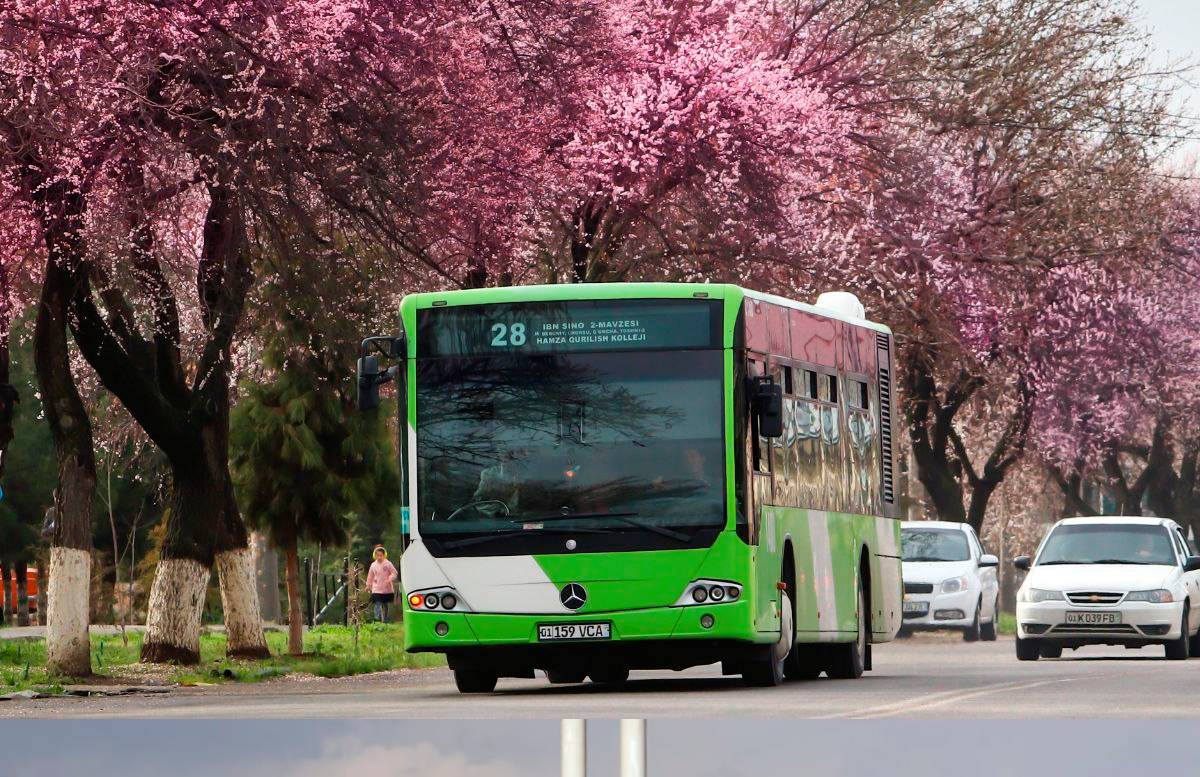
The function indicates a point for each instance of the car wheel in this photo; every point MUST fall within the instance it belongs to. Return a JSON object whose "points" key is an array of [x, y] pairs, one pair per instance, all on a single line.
{"points": [[610, 676], [1028, 649], [848, 660], [987, 631], [767, 668], [972, 634], [1177, 649], [475, 680], [1194, 646], [1050, 651]]}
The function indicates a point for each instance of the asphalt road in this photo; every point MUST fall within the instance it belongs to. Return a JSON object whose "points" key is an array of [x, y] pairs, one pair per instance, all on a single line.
{"points": [[923, 677]]}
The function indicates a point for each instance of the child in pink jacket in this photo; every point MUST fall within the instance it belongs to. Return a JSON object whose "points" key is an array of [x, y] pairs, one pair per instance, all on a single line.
{"points": [[381, 582]]}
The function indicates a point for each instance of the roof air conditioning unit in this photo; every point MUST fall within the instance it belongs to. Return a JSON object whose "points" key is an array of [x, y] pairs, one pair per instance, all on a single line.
{"points": [[842, 303]]}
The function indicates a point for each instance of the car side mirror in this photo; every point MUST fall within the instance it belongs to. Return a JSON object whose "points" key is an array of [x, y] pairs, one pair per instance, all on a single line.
{"points": [[1191, 564], [1023, 562], [768, 407], [988, 560]]}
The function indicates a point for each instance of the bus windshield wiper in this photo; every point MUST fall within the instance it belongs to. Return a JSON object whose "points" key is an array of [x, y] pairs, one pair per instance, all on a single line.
{"points": [[624, 517], [515, 532]]}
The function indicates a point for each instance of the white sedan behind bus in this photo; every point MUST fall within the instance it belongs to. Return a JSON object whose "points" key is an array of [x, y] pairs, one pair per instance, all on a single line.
{"points": [[1110, 581], [949, 582]]}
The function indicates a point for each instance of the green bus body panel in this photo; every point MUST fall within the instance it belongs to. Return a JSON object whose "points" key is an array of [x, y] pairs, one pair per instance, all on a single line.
{"points": [[827, 547]]}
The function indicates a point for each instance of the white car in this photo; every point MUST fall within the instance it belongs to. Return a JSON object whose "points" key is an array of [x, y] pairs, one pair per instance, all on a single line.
{"points": [[1110, 581], [949, 582]]}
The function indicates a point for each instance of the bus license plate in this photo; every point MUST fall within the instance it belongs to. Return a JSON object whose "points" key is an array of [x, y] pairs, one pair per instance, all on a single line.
{"points": [[1094, 618], [555, 632]]}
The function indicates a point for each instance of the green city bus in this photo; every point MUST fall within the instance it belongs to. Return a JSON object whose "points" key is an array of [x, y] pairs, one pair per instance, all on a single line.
{"points": [[606, 477]]}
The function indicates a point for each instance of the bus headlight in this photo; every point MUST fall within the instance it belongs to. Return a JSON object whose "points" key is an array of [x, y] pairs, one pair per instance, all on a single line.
{"points": [[439, 599], [709, 592]]}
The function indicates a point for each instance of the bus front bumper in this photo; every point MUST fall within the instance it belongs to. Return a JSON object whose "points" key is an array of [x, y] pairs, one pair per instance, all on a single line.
{"points": [[732, 621]]}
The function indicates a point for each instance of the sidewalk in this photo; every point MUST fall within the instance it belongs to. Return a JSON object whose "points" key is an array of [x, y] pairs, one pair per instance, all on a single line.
{"points": [[102, 630], [39, 632]]}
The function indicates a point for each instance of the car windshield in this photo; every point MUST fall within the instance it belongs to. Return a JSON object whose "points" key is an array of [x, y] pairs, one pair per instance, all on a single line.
{"points": [[1108, 543], [934, 545], [618, 442]]}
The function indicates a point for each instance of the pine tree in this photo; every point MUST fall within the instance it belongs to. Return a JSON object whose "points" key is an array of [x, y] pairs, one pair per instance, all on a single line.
{"points": [[305, 462]]}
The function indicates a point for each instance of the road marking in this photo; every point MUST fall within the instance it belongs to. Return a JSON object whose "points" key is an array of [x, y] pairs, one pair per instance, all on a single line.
{"points": [[943, 698]]}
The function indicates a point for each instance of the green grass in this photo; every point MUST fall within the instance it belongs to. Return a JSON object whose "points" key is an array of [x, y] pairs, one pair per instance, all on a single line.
{"points": [[1008, 623], [329, 652]]}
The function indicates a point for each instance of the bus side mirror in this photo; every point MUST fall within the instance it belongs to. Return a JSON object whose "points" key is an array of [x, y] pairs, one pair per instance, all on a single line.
{"points": [[1022, 562], [368, 383], [768, 407]]}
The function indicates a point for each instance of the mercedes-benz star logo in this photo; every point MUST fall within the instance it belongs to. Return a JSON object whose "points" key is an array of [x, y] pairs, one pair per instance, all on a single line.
{"points": [[573, 596]]}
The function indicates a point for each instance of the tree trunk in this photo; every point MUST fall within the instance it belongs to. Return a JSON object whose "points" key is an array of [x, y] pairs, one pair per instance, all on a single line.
{"points": [[266, 570], [173, 613], [203, 528], [69, 587], [239, 598], [295, 616], [22, 569]]}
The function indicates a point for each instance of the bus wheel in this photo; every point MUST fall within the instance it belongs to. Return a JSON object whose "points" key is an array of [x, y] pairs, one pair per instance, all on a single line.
{"points": [[849, 659], [806, 662], [565, 676], [767, 668], [610, 676], [474, 680]]}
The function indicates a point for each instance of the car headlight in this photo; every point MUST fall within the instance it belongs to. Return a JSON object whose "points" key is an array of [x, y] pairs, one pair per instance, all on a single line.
{"points": [[709, 592], [1158, 596], [1035, 595], [955, 584]]}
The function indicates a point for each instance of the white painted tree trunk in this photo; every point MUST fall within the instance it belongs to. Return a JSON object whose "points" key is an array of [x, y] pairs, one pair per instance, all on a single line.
{"points": [[173, 615], [68, 651], [239, 597]]}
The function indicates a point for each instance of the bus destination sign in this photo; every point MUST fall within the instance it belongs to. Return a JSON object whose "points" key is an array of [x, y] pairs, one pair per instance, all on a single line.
{"points": [[569, 327]]}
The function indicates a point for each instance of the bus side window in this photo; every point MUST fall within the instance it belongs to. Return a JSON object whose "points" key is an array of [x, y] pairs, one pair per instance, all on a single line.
{"points": [[808, 384], [858, 396], [762, 445]]}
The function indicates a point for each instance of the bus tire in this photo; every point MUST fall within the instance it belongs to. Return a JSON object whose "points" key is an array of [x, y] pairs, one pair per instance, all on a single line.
{"points": [[475, 680], [766, 668], [848, 660], [610, 676], [565, 676], [805, 662]]}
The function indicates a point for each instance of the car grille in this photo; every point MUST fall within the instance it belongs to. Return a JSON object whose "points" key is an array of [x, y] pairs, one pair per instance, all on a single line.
{"points": [[1094, 597], [918, 588], [1094, 628]]}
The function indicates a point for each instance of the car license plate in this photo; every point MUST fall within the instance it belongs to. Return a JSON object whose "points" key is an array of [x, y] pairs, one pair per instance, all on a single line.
{"points": [[919, 608], [556, 632], [1094, 618]]}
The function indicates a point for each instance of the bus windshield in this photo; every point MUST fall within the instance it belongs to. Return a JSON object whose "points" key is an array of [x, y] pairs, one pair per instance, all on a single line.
{"points": [[533, 444]]}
